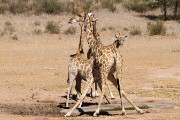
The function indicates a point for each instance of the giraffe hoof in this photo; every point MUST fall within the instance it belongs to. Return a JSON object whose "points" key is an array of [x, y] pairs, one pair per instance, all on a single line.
{"points": [[67, 107], [112, 98], [95, 114], [67, 115], [123, 114], [141, 111]]}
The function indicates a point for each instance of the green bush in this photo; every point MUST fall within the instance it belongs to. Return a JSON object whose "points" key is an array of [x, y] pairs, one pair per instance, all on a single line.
{"points": [[8, 27], [52, 27], [135, 31], [118, 1], [136, 5], [14, 37], [108, 28], [19, 6], [70, 31], [37, 23], [37, 31], [157, 28], [49, 6], [71, 7], [87, 5], [109, 5], [3, 8]]}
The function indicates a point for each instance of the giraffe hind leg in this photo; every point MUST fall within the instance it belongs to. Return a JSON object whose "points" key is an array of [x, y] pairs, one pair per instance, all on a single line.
{"points": [[70, 82], [88, 86], [136, 108], [110, 91]]}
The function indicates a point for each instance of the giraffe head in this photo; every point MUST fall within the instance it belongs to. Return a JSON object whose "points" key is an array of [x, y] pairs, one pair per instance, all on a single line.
{"points": [[82, 17], [120, 40]]}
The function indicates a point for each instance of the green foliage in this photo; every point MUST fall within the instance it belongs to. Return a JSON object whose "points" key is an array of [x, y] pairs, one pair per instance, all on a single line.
{"points": [[135, 31], [157, 28], [19, 6], [52, 27], [37, 23], [8, 27], [71, 7], [108, 28], [87, 5], [3, 8], [176, 50], [14, 37], [70, 31], [49, 6], [109, 4], [137, 5], [37, 31], [118, 1]]}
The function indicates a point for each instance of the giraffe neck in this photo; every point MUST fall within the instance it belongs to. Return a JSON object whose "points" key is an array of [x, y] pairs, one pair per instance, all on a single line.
{"points": [[94, 43]]}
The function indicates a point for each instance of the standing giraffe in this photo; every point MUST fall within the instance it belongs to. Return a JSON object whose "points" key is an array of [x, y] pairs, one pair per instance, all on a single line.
{"points": [[81, 68], [109, 61]]}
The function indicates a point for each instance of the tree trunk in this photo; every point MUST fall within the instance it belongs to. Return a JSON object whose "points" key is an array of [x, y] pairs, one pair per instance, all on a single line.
{"points": [[165, 10], [175, 9]]}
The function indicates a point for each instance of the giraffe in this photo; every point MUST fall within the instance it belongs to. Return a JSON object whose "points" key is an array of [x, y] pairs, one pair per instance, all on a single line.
{"points": [[77, 69], [80, 53], [97, 37], [109, 60]]}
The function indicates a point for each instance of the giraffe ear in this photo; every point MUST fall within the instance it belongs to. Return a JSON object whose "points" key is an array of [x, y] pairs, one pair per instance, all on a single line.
{"points": [[116, 36], [125, 37], [95, 19]]}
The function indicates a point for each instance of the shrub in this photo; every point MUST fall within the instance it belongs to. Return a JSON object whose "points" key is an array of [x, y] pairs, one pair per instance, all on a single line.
{"points": [[118, 1], [52, 27], [109, 5], [107, 28], [71, 7], [37, 23], [111, 28], [8, 27], [70, 31], [125, 29], [156, 28], [136, 5], [37, 31], [49, 6], [3, 8], [19, 6], [14, 37], [135, 31], [87, 5]]}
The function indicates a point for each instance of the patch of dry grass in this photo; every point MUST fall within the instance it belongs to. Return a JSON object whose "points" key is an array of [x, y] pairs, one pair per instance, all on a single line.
{"points": [[163, 89]]}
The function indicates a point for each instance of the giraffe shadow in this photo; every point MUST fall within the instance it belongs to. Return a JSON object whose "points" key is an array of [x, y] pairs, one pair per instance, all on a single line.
{"points": [[92, 112]]}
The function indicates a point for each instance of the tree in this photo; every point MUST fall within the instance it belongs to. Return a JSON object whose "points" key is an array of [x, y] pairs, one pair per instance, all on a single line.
{"points": [[176, 5], [164, 4]]}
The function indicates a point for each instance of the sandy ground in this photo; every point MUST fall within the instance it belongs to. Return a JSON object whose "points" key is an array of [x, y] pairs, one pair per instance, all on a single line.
{"points": [[33, 69]]}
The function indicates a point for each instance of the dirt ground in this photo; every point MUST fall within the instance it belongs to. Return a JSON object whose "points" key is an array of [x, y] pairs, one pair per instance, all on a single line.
{"points": [[33, 69]]}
